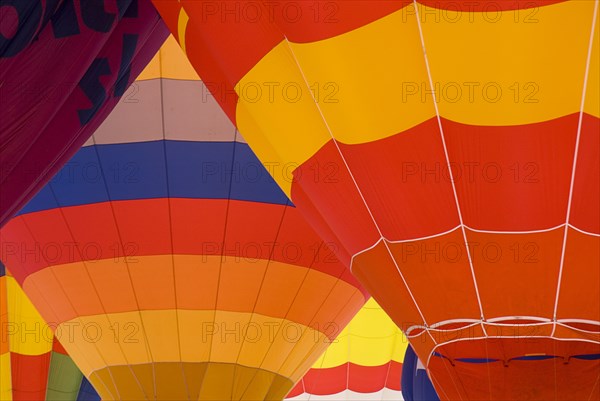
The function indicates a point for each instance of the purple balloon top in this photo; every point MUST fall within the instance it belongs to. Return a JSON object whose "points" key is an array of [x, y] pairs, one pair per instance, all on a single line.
{"points": [[64, 65]]}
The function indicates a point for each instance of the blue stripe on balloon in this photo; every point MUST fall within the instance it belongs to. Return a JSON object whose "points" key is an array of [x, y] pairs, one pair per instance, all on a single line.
{"points": [[587, 357], [87, 392], [128, 171], [533, 358], [477, 360]]}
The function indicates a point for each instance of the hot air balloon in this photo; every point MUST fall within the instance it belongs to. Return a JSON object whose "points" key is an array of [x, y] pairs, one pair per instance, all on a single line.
{"points": [[64, 64], [451, 151], [33, 364], [182, 269], [363, 363]]}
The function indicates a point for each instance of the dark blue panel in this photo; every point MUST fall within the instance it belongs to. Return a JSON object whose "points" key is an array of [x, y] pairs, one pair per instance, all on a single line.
{"points": [[416, 385], [533, 358], [80, 181], [476, 360], [199, 170], [408, 367], [42, 201], [2, 269], [587, 357], [87, 392], [423, 388], [219, 170], [135, 170], [252, 181]]}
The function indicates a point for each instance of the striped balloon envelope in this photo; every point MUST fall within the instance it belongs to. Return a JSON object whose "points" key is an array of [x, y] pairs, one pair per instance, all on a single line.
{"points": [[33, 364], [363, 363], [451, 150], [181, 269]]}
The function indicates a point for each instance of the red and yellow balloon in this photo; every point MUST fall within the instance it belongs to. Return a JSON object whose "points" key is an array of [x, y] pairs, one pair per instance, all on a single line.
{"points": [[451, 150]]}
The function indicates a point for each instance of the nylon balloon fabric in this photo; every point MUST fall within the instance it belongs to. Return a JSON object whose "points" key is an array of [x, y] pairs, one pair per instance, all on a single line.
{"points": [[451, 151], [33, 364], [184, 270], [64, 64], [416, 385], [363, 363]]}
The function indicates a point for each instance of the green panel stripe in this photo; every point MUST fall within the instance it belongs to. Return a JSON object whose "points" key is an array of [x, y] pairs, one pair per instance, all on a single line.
{"points": [[64, 379]]}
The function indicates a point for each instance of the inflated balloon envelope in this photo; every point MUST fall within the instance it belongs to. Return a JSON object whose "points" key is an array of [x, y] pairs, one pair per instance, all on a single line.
{"points": [[168, 252], [64, 64], [363, 363], [461, 142], [33, 364]]}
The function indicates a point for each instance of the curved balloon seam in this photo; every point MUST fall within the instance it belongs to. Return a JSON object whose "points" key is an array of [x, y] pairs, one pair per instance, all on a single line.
{"points": [[539, 324], [543, 230], [583, 231], [565, 323], [383, 240], [433, 352]]}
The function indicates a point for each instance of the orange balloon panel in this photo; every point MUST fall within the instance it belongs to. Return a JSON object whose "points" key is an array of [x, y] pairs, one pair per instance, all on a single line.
{"points": [[449, 149]]}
